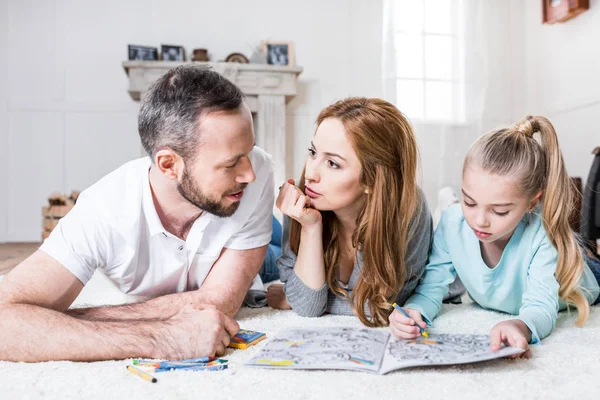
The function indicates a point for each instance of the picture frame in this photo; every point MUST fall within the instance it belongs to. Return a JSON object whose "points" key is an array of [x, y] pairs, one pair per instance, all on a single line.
{"points": [[142, 53], [172, 53], [562, 10], [237, 58], [279, 52]]}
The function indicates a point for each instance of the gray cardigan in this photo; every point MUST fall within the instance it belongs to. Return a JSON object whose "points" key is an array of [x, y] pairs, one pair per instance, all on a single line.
{"points": [[308, 302]]}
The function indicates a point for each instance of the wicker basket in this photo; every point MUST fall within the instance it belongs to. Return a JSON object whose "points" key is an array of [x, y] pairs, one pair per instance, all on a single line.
{"points": [[59, 206]]}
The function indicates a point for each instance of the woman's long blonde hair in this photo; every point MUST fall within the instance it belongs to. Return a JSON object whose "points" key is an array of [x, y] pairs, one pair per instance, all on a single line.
{"points": [[386, 148], [539, 167]]}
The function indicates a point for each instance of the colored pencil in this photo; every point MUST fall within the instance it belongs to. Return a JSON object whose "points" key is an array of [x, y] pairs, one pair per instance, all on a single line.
{"points": [[141, 374], [397, 307]]}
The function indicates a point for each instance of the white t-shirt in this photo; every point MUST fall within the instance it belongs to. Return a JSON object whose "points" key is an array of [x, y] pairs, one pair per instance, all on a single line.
{"points": [[115, 227]]}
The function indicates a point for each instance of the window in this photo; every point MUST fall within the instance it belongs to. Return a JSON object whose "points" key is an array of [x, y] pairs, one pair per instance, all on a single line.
{"points": [[429, 58]]}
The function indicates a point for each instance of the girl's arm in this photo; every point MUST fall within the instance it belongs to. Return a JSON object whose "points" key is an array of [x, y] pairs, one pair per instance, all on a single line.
{"points": [[539, 307], [439, 274], [417, 250]]}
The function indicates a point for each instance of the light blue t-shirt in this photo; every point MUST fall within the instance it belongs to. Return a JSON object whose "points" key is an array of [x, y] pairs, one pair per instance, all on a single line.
{"points": [[522, 284]]}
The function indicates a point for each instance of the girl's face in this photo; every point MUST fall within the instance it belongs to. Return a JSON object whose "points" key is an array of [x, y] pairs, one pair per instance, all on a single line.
{"points": [[492, 204], [332, 171]]}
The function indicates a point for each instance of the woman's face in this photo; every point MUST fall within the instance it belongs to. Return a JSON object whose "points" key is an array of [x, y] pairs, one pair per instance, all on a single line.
{"points": [[332, 171]]}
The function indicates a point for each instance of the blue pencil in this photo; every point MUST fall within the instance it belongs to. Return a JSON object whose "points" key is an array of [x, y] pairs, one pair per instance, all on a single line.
{"points": [[198, 360], [193, 368], [188, 362], [397, 307]]}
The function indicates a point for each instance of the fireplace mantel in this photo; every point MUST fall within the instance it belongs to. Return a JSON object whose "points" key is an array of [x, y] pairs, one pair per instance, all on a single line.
{"points": [[267, 89]]}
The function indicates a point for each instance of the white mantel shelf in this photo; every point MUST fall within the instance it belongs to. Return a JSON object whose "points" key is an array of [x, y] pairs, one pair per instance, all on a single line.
{"points": [[253, 79], [267, 89]]}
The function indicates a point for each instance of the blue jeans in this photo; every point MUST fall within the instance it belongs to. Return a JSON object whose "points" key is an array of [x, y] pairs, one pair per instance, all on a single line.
{"points": [[269, 271], [594, 265]]}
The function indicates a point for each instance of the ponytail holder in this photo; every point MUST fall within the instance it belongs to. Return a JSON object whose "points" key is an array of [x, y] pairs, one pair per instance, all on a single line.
{"points": [[528, 128], [534, 124]]}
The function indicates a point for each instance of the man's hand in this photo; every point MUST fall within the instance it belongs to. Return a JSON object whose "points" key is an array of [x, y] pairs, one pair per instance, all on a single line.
{"points": [[195, 332], [296, 205], [512, 333], [405, 328]]}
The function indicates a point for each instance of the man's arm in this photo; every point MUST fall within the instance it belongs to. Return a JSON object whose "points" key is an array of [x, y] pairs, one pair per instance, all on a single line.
{"points": [[33, 334], [34, 326], [229, 279], [41, 281], [224, 288]]}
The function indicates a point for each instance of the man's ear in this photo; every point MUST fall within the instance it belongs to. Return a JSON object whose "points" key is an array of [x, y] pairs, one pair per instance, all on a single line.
{"points": [[169, 163], [535, 201]]}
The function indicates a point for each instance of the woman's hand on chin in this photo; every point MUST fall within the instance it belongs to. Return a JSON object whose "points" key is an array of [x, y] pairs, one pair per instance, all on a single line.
{"points": [[296, 205]]}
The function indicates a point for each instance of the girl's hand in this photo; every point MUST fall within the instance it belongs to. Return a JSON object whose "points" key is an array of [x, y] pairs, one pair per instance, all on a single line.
{"points": [[404, 328], [295, 204], [511, 333]]}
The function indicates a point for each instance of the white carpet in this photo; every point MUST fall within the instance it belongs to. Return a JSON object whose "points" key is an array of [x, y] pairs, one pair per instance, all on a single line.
{"points": [[565, 366]]}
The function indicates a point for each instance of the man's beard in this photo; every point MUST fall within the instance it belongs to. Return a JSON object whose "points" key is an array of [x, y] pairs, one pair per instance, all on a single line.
{"points": [[192, 193]]}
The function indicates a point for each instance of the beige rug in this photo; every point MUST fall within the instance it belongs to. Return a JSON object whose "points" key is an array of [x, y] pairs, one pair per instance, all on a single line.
{"points": [[565, 366]]}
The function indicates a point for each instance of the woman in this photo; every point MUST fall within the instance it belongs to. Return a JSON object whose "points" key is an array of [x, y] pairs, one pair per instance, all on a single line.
{"points": [[359, 227]]}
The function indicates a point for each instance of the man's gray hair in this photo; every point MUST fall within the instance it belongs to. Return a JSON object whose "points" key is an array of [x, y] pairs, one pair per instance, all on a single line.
{"points": [[170, 110]]}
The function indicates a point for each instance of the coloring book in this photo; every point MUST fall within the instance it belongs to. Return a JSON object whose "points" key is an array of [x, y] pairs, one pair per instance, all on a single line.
{"points": [[371, 350]]}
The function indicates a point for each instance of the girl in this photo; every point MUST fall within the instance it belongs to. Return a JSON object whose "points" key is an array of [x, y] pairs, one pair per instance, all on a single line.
{"points": [[360, 227], [510, 242]]}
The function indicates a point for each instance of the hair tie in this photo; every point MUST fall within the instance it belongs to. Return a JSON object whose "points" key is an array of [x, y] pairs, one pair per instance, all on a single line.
{"points": [[535, 126], [527, 126]]}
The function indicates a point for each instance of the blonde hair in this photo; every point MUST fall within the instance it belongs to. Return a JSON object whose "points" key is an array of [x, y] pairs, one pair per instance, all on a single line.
{"points": [[386, 148], [539, 167]]}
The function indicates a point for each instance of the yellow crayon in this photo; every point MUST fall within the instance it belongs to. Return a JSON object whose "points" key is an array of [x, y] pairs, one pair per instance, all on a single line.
{"points": [[141, 373]]}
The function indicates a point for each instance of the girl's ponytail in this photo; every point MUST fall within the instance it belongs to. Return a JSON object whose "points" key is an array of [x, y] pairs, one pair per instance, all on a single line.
{"points": [[557, 203]]}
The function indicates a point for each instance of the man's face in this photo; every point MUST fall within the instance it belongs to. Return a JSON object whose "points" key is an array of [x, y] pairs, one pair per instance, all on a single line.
{"points": [[215, 180]]}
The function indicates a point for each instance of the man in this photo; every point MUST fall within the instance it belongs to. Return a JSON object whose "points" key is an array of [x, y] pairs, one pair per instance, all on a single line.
{"points": [[187, 227]]}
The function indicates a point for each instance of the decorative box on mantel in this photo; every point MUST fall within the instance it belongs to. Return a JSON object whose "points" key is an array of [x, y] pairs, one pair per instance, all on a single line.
{"points": [[267, 89]]}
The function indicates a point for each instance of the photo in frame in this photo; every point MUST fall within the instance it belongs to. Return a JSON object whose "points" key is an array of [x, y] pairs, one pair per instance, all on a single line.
{"points": [[562, 10], [279, 52], [172, 53], [142, 53]]}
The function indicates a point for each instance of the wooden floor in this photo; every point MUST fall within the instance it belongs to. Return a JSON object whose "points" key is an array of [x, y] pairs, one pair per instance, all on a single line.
{"points": [[12, 254]]}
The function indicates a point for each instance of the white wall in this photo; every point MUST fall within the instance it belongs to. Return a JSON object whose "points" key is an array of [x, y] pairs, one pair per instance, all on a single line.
{"points": [[66, 118], [3, 123], [560, 79]]}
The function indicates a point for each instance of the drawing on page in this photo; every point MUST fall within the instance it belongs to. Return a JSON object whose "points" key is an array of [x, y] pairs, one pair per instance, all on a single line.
{"points": [[440, 348], [331, 347]]}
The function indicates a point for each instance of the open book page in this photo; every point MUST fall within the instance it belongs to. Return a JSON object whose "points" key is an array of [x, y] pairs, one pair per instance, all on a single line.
{"points": [[440, 349], [326, 348], [371, 350]]}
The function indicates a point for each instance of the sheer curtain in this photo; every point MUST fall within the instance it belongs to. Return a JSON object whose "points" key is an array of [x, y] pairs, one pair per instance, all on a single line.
{"points": [[436, 58]]}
